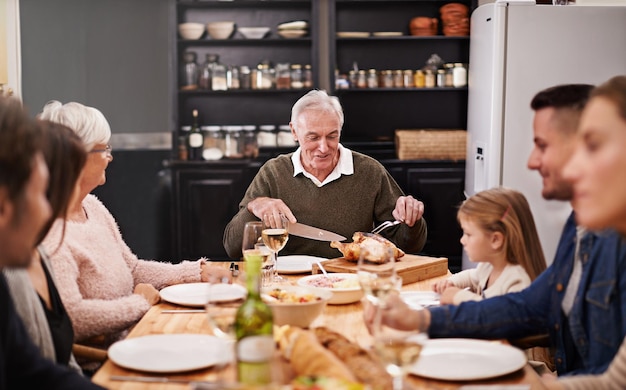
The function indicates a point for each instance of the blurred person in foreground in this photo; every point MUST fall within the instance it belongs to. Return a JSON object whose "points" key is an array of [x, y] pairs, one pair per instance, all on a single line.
{"points": [[580, 300], [597, 171], [104, 286], [24, 210], [33, 289], [326, 185]]}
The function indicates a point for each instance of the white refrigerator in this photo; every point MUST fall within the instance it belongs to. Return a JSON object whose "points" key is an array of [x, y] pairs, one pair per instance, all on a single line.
{"points": [[518, 48]]}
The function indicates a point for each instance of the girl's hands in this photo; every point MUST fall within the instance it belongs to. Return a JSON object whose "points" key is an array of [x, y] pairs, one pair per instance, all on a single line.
{"points": [[440, 286], [148, 291], [447, 296]]}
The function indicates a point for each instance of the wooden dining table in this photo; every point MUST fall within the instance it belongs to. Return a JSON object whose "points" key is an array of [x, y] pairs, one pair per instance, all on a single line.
{"points": [[346, 319]]}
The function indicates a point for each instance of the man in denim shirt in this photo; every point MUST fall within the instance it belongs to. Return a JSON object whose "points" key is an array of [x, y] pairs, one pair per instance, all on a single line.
{"points": [[586, 339]]}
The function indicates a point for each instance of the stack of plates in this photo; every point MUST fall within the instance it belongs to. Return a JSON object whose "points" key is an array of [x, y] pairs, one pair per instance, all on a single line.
{"points": [[294, 29]]}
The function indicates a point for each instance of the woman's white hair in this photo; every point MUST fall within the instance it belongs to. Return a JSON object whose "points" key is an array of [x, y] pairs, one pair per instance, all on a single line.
{"points": [[317, 100], [87, 122]]}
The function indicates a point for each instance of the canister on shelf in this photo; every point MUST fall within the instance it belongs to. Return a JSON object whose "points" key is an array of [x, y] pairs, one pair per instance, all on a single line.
{"points": [[244, 77], [307, 77], [233, 145], [213, 142], [372, 79], [449, 68], [419, 79], [361, 81], [218, 76], [189, 71], [267, 136], [429, 79], [296, 76], [386, 79], [398, 79], [407, 78], [265, 76], [352, 78], [232, 77], [183, 152], [441, 77], [283, 76], [250, 143], [459, 75], [284, 137]]}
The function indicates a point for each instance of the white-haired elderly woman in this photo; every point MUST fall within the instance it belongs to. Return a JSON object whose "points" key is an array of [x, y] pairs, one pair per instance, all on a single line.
{"points": [[104, 286], [326, 185]]}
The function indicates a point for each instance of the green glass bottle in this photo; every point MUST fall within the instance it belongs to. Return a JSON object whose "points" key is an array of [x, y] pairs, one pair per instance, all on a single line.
{"points": [[195, 139], [253, 329]]}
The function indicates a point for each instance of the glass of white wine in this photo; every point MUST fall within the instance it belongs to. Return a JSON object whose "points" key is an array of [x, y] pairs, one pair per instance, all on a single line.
{"points": [[275, 238], [397, 349], [376, 271]]}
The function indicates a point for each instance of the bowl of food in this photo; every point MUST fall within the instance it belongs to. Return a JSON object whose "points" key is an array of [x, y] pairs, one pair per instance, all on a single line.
{"points": [[254, 32], [344, 286], [220, 30], [191, 30], [295, 305]]}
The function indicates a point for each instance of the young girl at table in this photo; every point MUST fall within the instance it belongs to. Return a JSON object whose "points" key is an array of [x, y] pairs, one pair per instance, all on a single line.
{"points": [[499, 234]]}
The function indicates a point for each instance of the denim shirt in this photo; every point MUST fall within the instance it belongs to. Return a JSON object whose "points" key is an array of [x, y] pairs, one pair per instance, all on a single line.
{"points": [[587, 341]]}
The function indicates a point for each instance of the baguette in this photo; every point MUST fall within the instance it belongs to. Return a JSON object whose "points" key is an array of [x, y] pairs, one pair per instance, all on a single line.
{"points": [[365, 367], [308, 357]]}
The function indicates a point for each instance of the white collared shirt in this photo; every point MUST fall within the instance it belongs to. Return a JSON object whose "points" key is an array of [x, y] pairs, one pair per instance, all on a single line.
{"points": [[345, 166]]}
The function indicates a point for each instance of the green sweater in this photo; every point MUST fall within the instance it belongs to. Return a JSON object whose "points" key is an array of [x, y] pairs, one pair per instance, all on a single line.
{"points": [[352, 203]]}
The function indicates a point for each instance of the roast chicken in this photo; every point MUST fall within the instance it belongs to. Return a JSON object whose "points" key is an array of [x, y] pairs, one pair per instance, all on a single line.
{"points": [[375, 244]]}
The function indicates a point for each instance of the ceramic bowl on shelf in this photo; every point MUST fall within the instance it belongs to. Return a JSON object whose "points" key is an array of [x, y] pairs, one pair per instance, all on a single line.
{"points": [[191, 30], [254, 32], [220, 30]]}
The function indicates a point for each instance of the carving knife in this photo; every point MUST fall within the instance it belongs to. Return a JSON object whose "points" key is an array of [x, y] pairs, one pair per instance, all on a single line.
{"points": [[306, 231]]}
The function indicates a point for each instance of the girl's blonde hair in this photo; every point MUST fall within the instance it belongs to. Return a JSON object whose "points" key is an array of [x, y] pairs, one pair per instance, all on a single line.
{"points": [[507, 211]]}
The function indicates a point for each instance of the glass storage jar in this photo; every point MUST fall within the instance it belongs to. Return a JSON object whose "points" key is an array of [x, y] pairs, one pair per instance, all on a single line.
{"points": [[372, 79], [264, 77], [250, 143], [284, 137], [459, 75], [218, 76], [296, 76], [283, 76], [232, 77], [307, 77], [398, 79], [189, 71], [267, 136], [419, 79], [233, 143], [213, 142], [244, 77]]}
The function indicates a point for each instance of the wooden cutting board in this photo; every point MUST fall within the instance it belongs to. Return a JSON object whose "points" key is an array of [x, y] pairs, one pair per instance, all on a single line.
{"points": [[412, 268]]}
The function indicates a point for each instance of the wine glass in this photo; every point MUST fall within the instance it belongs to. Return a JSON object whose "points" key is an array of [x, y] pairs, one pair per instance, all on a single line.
{"points": [[275, 238], [397, 349], [376, 271]]}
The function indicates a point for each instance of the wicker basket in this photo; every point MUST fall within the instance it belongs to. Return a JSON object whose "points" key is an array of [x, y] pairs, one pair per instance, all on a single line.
{"points": [[431, 144]]}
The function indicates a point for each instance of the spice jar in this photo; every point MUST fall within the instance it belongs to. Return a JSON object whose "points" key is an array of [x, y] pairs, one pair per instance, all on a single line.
{"points": [[429, 79], [441, 78], [183, 153], [361, 81], [213, 143], [284, 137], [267, 136], [250, 144], [449, 68], [459, 75], [307, 77], [296, 76], [407, 78], [218, 76], [189, 71], [264, 77], [398, 79], [233, 146], [204, 79], [283, 76], [419, 79], [232, 77], [372, 79], [386, 80], [244, 77]]}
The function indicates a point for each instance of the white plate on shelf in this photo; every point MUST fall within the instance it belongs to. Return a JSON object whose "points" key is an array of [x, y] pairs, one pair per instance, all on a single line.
{"points": [[169, 353], [387, 34], [353, 34], [290, 34], [470, 359], [297, 264], [196, 294], [420, 299]]}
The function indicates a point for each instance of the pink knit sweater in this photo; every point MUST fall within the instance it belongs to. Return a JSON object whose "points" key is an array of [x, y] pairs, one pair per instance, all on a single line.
{"points": [[96, 273]]}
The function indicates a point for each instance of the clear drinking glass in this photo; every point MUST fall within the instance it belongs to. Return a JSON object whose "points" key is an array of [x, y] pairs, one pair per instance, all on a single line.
{"points": [[275, 237], [397, 349], [377, 274]]}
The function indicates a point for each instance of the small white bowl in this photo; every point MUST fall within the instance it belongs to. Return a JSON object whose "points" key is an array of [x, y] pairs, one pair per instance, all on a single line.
{"points": [[254, 32], [220, 30], [191, 30], [341, 295], [300, 314]]}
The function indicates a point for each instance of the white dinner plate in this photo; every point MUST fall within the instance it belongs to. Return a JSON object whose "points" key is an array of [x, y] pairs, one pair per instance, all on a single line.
{"points": [[467, 359], [197, 294], [297, 264], [387, 34], [353, 34], [168, 353], [420, 299]]}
